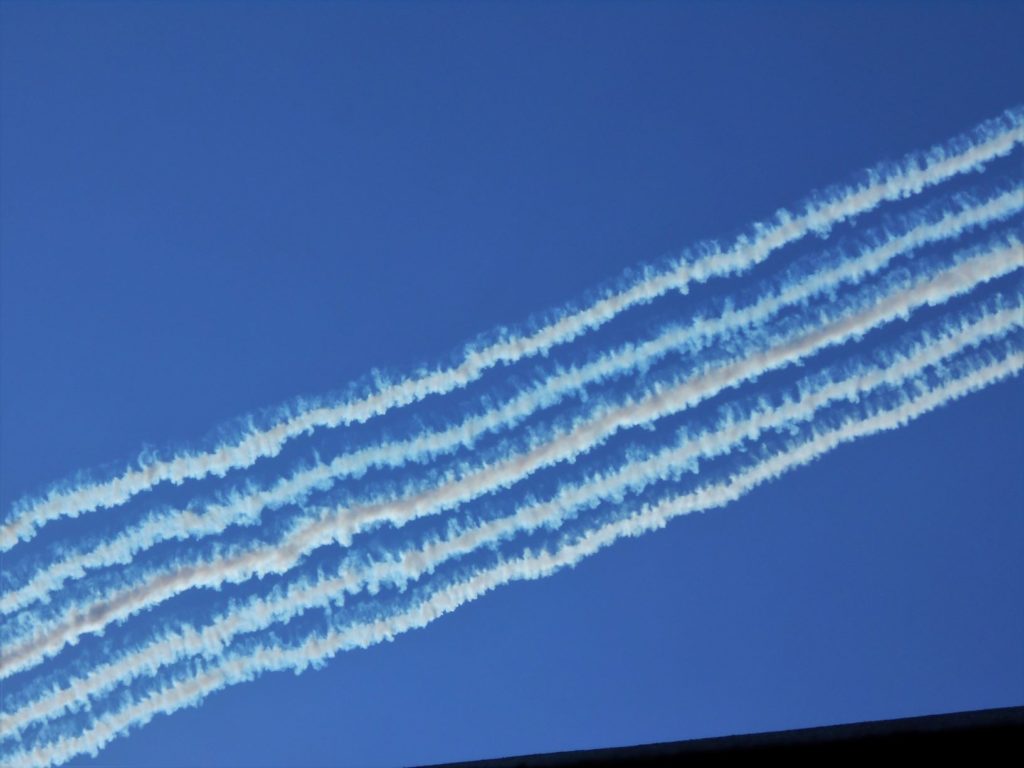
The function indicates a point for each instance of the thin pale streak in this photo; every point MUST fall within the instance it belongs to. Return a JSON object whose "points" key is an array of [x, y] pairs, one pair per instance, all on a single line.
{"points": [[243, 667], [245, 508], [340, 525], [998, 138], [261, 611]]}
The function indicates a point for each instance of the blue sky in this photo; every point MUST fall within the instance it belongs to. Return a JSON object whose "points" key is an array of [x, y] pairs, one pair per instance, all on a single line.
{"points": [[206, 209]]}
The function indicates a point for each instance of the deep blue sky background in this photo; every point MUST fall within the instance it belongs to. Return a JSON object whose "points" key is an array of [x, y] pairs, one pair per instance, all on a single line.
{"points": [[208, 208]]}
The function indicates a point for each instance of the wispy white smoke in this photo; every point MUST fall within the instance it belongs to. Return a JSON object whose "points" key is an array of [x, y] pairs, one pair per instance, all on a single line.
{"points": [[245, 665], [339, 525], [812, 397], [245, 506], [993, 139]]}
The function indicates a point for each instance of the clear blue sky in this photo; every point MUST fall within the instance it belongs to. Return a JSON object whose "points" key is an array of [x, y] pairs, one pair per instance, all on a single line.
{"points": [[209, 208]]}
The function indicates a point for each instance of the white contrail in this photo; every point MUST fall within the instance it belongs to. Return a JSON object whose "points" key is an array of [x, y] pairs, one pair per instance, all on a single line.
{"points": [[813, 396], [993, 139], [245, 508], [244, 666], [339, 525]]}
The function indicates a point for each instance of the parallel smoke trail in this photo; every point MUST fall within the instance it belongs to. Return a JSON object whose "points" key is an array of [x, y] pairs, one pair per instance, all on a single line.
{"points": [[242, 667], [258, 612], [993, 139], [340, 525], [246, 508]]}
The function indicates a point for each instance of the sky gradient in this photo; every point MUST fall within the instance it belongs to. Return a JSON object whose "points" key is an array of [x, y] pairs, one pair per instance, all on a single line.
{"points": [[210, 209]]}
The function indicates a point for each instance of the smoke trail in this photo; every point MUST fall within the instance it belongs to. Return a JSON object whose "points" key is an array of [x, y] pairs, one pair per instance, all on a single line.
{"points": [[246, 665], [974, 268], [245, 508], [991, 140], [812, 397]]}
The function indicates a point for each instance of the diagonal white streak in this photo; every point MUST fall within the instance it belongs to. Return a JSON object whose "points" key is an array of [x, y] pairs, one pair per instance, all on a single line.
{"points": [[246, 507], [339, 525], [244, 666], [991, 140], [813, 396]]}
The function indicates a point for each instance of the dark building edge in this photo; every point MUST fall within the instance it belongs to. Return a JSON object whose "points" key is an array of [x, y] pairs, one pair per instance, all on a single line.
{"points": [[984, 737]]}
